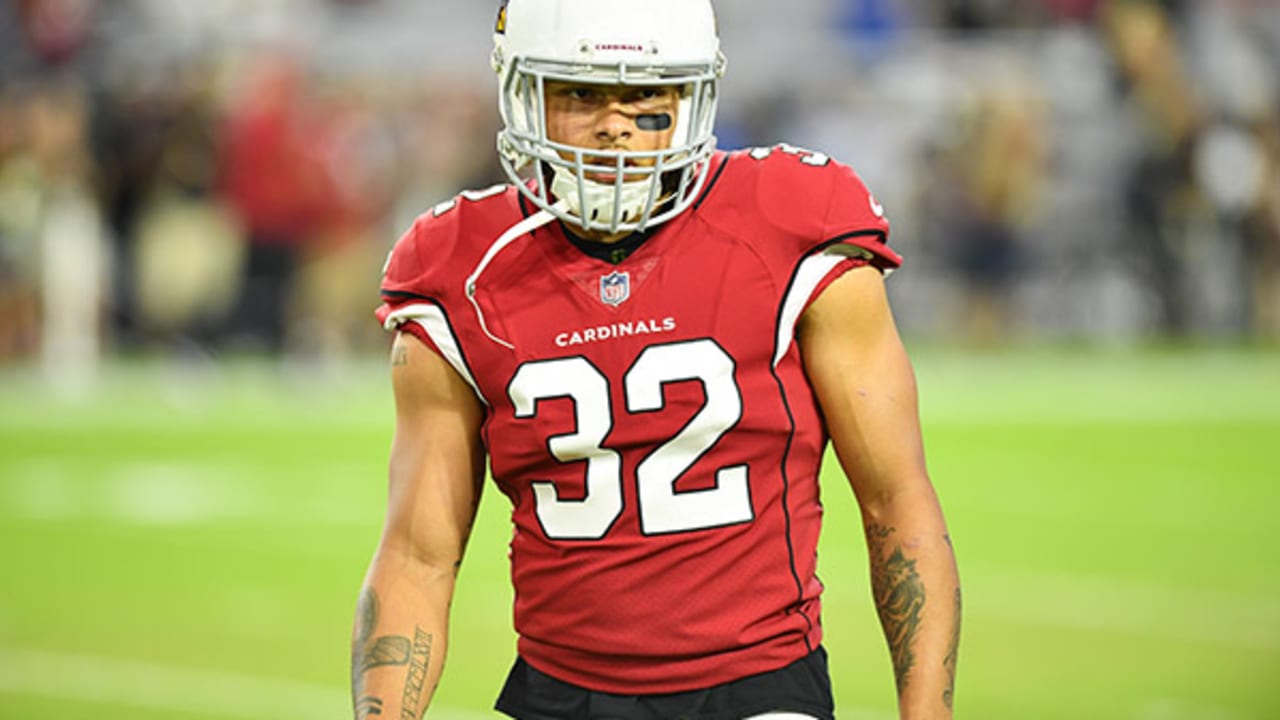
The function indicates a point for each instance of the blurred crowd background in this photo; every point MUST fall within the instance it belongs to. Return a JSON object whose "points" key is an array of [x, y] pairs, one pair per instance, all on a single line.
{"points": [[224, 176]]}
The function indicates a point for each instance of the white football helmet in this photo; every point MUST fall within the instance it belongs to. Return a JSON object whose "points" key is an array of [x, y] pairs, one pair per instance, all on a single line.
{"points": [[610, 42]]}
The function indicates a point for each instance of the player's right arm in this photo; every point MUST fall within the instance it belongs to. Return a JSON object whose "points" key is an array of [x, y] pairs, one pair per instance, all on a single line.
{"points": [[436, 474]]}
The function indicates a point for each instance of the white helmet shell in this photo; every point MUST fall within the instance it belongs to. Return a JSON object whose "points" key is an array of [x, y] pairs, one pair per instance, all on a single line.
{"points": [[614, 42]]}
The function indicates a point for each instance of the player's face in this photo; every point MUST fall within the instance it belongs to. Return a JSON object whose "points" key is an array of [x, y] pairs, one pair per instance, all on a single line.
{"points": [[611, 117]]}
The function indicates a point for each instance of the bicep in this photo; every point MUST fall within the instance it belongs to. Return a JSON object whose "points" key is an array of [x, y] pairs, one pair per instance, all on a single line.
{"points": [[866, 388], [436, 467]]}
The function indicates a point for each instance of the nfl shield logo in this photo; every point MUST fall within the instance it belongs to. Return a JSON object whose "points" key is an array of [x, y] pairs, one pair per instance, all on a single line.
{"points": [[615, 288]]}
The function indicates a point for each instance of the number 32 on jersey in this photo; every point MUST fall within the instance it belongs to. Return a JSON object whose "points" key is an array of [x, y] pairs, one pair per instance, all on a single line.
{"points": [[662, 509]]}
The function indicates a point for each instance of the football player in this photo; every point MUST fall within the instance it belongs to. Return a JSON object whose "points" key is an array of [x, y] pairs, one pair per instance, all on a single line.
{"points": [[651, 343]]}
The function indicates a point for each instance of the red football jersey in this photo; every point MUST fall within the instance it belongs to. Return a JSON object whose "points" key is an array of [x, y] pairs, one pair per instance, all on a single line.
{"points": [[650, 421]]}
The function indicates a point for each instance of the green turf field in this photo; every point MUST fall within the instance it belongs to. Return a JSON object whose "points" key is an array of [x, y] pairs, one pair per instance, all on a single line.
{"points": [[189, 543]]}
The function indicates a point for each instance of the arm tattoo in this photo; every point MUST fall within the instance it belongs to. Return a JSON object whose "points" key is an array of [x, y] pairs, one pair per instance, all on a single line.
{"points": [[368, 706], [899, 597], [953, 654], [412, 694], [368, 652]]}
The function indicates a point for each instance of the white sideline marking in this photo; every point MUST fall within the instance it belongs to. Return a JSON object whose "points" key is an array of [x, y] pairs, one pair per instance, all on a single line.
{"points": [[151, 686], [175, 493], [130, 683]]}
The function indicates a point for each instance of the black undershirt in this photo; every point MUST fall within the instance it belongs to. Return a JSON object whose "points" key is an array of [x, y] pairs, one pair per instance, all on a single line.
{"points": [[612, 253]]}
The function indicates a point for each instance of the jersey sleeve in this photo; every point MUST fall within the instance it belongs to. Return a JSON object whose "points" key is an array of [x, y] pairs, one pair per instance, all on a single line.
{"points": [[413, 291], [855, 224], [406, 282], [824, 205], [831, 224]]}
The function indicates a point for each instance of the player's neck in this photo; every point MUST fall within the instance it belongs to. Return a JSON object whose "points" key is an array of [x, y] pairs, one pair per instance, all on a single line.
{"points": [[611, 248], [598, 236]]}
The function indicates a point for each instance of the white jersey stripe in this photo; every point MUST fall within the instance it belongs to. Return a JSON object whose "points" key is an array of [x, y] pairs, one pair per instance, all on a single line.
{"points": [[808, 277], [431, 318]]}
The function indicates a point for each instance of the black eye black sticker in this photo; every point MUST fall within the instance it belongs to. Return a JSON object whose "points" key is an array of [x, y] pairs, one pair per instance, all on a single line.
{"points": [[654, 122]]}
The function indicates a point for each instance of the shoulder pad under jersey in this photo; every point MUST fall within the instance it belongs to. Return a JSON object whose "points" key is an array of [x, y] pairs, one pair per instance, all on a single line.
{"points": [[817, 200]]}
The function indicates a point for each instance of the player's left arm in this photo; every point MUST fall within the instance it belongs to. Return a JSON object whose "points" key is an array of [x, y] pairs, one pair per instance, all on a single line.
{"points": [[866, 387]]}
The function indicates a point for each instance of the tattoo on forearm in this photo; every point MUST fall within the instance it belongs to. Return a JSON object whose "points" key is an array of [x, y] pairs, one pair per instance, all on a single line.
{"points": [[367, 706], [953, 655], [368, 652], [899, 596], [387, 650], [413, 684]]}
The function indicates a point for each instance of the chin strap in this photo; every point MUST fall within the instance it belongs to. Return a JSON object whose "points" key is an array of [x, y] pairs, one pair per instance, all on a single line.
{"points": [[524, 227], [612, 206]]}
